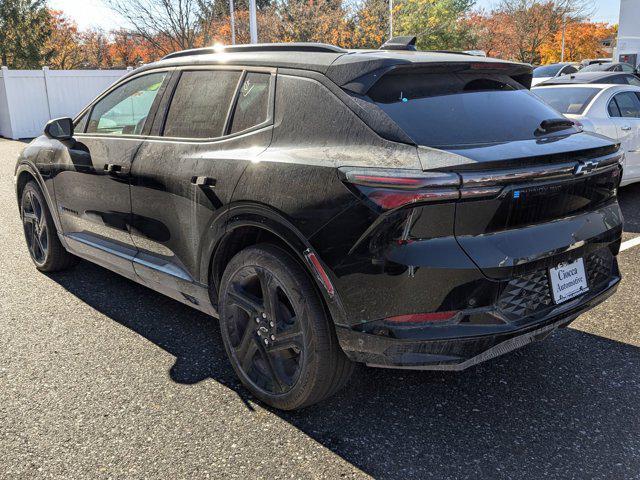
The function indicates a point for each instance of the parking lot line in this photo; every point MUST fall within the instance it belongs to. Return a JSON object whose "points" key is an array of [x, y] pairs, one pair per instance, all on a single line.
{"points": [[630, 243]]}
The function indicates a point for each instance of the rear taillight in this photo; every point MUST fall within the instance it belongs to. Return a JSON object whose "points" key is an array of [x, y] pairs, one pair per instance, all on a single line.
{"points": [[390, 199], [393, 188]]}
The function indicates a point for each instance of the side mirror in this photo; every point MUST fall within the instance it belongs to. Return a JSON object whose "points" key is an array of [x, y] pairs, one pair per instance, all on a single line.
{"points": [[59, 129]]}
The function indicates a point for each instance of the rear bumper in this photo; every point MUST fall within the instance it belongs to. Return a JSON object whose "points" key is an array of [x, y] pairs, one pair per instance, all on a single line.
{"points": [[459, 353]]}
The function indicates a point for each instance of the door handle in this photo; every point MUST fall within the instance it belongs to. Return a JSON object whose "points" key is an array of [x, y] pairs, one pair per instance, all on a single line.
{"points": [[625, 127], [203, 181], [115, 168]]}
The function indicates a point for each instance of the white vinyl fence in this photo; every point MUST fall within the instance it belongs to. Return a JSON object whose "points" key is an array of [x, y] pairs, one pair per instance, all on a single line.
{"points": [[30, 98]]}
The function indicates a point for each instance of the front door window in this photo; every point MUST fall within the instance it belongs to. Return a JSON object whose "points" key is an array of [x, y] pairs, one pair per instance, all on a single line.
{"points": [[124, 110]]}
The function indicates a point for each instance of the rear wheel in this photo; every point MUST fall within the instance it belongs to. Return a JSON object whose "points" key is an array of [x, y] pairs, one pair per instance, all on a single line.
{"points": [[40, 232], [275, 330]]}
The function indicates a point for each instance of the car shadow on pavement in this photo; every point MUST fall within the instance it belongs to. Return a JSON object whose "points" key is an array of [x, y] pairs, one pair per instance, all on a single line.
{"points": [[564, 408]]}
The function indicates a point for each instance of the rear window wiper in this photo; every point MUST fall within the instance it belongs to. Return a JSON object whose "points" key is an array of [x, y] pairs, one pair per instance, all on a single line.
{"points": [[553, 125]]}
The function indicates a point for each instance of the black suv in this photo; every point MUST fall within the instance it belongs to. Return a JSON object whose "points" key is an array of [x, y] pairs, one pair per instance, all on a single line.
{"points": [[396, 208]]}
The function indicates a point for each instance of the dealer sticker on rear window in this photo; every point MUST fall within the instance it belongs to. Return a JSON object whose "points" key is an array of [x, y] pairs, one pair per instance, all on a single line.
{"points": [[568, 280]]}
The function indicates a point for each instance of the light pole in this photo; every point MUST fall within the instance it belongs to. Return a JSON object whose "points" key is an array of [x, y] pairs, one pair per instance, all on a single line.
{"points": [[232, 17], [390, 18], [564, 27], [253, 24]]}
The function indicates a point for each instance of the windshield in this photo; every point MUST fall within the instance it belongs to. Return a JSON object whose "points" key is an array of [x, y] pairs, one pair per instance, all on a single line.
{"points": [[547, 71], [456, 110], [567, 100]]}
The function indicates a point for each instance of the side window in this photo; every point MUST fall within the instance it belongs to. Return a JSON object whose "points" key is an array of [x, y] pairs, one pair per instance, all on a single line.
{"points": [[200, 104], [626, 68], [125, 109], [629, 104], [252, 107], [614, 111], [569, 69], [633, 81], [616, 68]]}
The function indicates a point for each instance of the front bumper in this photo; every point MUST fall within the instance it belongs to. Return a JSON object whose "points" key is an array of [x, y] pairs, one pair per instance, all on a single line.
{"points": [[459, 353]]}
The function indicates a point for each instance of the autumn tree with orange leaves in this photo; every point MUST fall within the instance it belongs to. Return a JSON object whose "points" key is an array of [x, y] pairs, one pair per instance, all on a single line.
{"points": [[63, 48], [522, 30], [531, 31], [128, 50], [371, 24], [582, 40]]}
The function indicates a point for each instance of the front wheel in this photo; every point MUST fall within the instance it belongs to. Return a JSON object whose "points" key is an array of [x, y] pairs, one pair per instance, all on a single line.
{"points": [[48, 254], [276, 332]]}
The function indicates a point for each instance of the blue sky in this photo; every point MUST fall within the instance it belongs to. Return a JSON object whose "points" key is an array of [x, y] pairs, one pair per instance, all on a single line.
{"points": [[604, 10], [94, 13]]}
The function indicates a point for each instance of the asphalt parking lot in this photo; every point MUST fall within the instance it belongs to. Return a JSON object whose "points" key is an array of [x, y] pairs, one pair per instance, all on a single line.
{"points": [[102, 378]]}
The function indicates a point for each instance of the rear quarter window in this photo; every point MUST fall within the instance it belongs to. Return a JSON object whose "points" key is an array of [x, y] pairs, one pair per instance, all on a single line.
{"points": [[252, 106]]}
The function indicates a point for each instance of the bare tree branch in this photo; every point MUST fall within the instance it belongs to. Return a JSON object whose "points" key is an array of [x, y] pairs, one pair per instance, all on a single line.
{"points": [[168, 25]]}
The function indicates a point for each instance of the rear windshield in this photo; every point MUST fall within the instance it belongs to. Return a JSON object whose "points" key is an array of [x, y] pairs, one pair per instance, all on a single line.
{"points": [[455, 110], [567, 100], [597, 67], [547, 71]]}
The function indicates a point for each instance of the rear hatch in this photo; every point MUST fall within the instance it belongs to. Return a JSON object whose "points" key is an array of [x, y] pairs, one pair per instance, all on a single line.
{"points": [[535, 190], [531, 213]]}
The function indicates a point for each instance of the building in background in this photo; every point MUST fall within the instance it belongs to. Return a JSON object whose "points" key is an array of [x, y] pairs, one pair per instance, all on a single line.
{"points": [[628, 45]]}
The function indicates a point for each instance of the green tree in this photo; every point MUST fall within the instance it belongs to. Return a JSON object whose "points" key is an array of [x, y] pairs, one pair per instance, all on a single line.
{"points": [[24, 28], [313, 21], [437, 23]]}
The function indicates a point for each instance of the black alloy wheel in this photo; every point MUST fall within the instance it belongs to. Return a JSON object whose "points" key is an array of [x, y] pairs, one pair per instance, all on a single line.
{"points": [[276, 332], [264, 329], [35, 226], [45, 249]]}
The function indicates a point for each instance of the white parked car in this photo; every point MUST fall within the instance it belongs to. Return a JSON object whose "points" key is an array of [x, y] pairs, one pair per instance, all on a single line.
{"points": [[611, 110], [545, 72]]}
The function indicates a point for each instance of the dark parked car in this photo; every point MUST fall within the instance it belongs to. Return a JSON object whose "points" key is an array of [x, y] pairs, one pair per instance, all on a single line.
{"points": [[594, 77], [404, 209]]}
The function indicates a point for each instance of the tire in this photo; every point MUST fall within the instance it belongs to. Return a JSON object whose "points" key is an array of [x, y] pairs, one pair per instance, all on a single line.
{"points": [[41, 235], [288, 359]]}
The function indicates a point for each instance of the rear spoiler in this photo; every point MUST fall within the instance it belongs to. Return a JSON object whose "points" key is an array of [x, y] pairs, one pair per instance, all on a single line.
{"points": [[520, 72]]}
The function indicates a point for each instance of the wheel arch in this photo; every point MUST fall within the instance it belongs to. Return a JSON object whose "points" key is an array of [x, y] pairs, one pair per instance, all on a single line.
{"points": [[248, 224], [23, 174], [26, 172]]}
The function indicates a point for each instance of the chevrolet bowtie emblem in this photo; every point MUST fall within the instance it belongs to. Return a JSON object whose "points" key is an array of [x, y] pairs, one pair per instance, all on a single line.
{"points": [[585, 167]]}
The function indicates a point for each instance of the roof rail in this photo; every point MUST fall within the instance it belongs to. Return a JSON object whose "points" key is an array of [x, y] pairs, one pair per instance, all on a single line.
{"points": [[260, 47]]}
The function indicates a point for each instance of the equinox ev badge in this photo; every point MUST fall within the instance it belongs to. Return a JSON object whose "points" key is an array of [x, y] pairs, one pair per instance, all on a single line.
{"points": [[585, 167]]}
